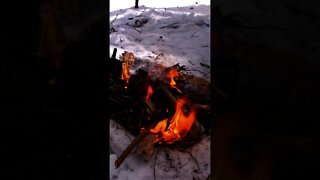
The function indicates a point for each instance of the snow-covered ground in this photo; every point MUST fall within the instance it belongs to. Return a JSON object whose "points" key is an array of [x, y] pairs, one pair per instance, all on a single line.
{"points": [[169, 164], [170, 32], [178, 31]]}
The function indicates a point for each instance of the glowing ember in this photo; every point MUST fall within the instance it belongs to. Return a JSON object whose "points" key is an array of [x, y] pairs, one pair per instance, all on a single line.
{"points": [[149, 93], [125, 74], [172, 74], [179, 125]]}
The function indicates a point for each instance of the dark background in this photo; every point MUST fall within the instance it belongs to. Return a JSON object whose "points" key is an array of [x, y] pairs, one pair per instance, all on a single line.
{"points": [[53, 110], [266, 59]]}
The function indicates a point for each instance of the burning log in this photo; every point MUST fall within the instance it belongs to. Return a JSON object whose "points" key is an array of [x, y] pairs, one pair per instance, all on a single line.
{"points": [[152, 109], [174, 129], [197, 129]]}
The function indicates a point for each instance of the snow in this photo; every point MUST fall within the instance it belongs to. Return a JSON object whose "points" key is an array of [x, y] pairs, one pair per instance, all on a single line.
{"points": [[180, 31], [170, 164], [123, 4], [175, 31]]}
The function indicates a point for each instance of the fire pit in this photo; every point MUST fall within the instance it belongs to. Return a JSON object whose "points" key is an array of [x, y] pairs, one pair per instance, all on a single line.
{"points": [[162, 107]]}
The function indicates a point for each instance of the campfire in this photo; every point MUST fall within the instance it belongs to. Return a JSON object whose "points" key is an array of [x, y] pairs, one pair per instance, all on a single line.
{"points": [[157, 107], [175, 129]]}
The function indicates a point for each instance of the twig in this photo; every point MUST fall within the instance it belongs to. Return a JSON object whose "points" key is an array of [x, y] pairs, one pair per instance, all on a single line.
{"points": [[170, 25], [161, 54], [154, 165], [130, 147], [118, 113], [136, 29], [114, 19]]}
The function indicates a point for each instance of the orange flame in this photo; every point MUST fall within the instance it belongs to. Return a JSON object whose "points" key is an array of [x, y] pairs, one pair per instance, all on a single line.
{"points": [[125, 74], [149, 92], [179, 126], [172, 74]]}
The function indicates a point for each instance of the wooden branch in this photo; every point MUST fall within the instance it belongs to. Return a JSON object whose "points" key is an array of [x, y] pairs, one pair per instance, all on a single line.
{"points": [[130, 147]]}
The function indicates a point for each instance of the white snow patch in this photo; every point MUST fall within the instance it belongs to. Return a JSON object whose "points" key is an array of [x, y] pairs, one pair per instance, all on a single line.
{"points": [[180, 31]]}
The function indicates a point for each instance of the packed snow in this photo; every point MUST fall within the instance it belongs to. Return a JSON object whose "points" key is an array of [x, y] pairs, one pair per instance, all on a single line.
{"points": [[163, 32]]}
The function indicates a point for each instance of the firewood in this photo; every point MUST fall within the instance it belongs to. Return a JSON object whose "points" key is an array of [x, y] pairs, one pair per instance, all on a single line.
{"points": [[146, 146], [197, 129], [151, 107], [130, 147]]}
